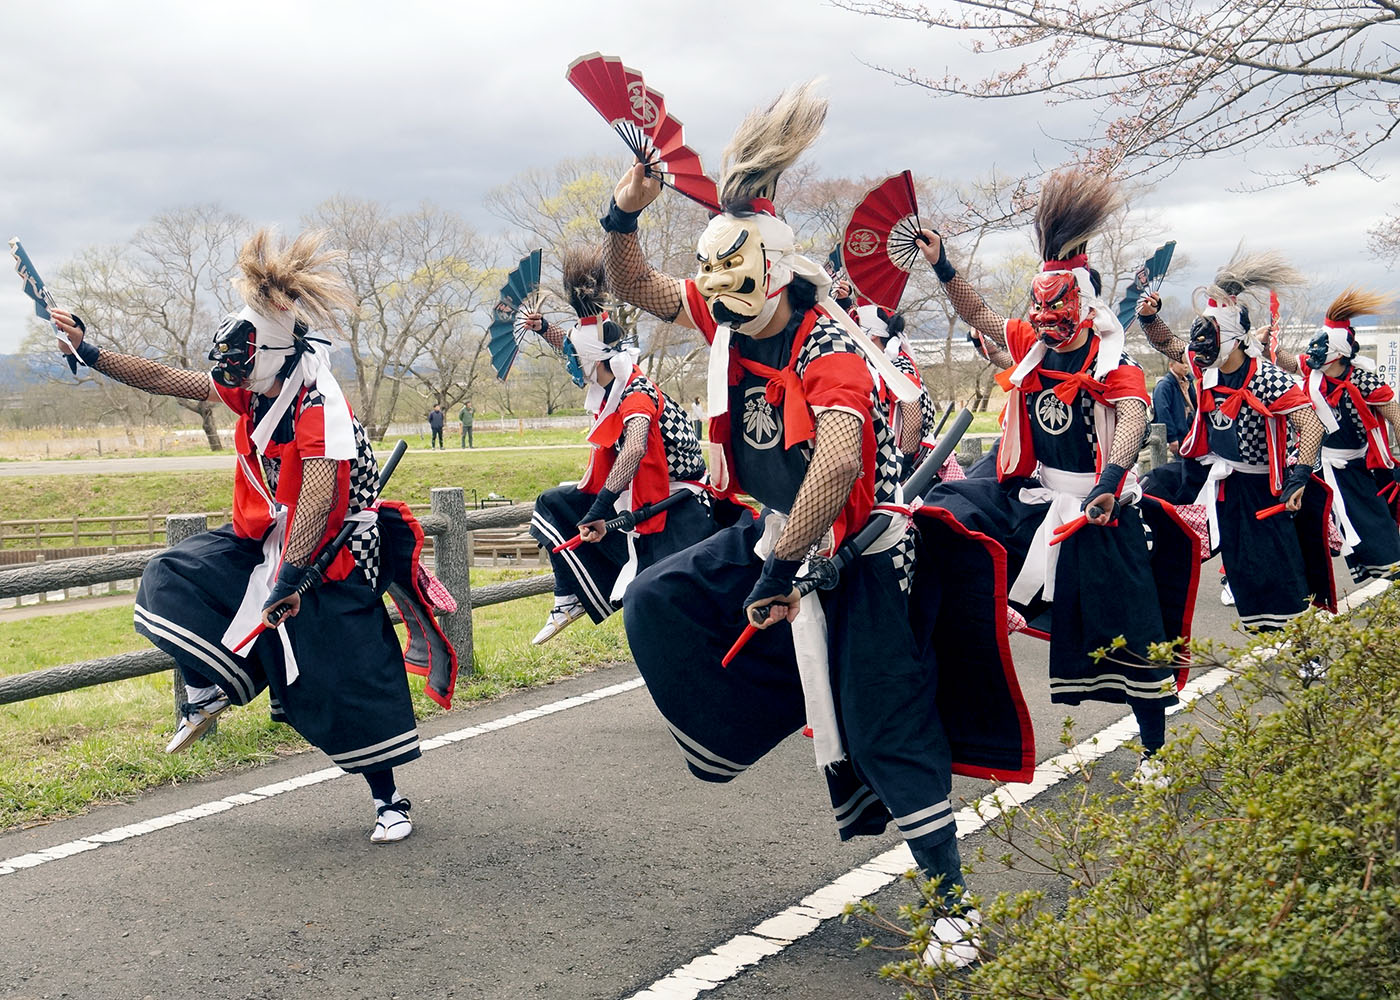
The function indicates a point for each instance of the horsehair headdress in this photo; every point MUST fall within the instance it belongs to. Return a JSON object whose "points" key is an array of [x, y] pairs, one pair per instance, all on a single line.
{"points": [[585, 282], [1356, 301], [767, 142], [1249, 270], [1074, 205], [299, 276]]}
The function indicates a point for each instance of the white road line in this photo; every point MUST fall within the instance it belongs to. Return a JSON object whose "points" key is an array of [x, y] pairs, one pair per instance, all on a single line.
{"points": [[9, 866], [711, 970]]}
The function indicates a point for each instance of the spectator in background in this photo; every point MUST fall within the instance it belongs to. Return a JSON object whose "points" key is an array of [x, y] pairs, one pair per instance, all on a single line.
{"points": [[467, 415], [1174, 404], [435, 419], [697, 417]]}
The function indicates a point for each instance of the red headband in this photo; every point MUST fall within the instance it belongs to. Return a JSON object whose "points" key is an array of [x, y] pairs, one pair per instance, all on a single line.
{"points": [[1337, 324], [763, 205], [591, 320], [1078, 260]]}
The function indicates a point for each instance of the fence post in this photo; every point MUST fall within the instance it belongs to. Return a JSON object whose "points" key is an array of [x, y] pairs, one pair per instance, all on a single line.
{"points": [[1156, 447], [969, 451], [453, 568], [178, 527]]}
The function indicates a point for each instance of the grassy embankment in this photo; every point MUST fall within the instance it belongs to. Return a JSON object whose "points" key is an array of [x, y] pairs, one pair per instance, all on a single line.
{"points": [[67, 752]]}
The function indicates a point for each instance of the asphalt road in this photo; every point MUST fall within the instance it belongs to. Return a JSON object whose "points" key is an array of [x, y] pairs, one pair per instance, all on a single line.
{"points": [[566, 854]]}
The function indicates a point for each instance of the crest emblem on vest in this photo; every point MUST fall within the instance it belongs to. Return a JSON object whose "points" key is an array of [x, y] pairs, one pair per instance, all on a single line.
{"points": [[1219, 420], [862, 243], [1051, 413], [761, 428]]}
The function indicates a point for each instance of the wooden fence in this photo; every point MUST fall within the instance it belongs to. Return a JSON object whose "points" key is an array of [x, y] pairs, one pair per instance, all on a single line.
{"points": [[448, 522]]}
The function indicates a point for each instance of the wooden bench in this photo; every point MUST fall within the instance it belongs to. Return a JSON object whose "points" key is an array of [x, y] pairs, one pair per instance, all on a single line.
{"points": [[511, 544]]}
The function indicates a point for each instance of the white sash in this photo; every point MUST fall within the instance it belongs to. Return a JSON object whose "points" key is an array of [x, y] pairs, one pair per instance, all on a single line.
{"points": [[1220, 469], [1063, 493], [1332, 460]]}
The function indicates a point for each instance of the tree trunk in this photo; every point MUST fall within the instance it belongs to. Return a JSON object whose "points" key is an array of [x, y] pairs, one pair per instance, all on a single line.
{"points": [[211, 430]]}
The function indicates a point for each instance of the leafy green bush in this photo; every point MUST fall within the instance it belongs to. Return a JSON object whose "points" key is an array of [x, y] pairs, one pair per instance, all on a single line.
{"points": [[1270, 867]]}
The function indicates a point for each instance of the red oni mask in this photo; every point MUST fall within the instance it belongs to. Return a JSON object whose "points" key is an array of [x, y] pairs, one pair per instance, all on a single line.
{"points": [[1055, 307]]}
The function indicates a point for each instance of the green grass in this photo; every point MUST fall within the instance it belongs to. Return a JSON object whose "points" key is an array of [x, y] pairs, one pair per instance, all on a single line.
{"points": [[68, 752], [520, 475]]}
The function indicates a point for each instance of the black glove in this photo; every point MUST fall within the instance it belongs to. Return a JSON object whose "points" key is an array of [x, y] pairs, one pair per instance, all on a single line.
{"points": [[1294, 480], [945, 271], [604, 506], [618, 221], [87, 351], [289, 578], [775, 581], [1110, 479]]}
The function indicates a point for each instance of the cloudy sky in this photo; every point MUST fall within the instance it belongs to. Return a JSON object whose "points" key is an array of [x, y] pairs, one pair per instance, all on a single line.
{"points": [[115, 112]]}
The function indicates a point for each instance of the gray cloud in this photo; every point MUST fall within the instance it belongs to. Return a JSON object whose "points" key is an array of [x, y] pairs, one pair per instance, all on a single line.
{"points": [[114, 113]]}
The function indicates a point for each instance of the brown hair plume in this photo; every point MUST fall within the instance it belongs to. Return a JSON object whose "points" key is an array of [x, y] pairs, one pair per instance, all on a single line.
{"points": [[1074, 205], [300, 276], [584, 281], [1357, 302], [1248, 270], [768, 142]]}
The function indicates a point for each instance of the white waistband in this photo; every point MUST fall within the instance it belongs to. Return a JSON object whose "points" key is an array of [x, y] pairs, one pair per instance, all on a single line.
{"points": [[1061, 481], [1221, 467], [1338, 457]]}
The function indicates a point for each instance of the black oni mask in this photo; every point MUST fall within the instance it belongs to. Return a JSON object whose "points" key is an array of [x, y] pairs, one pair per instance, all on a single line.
{"points": [[235, 345], [1205, 341], [1317, 352]]}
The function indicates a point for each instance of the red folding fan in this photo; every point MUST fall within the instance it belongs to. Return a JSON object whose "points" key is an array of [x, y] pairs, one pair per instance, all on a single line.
{"points": [[881, 245], [638, 114]]}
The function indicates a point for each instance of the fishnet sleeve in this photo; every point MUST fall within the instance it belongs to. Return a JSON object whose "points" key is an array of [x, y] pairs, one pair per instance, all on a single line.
{"points": [[314, 504], [1391, 412], [1310, 433], [1289, 363], [911, 426], [834, 469], [1160, 336], [1129, 434], [630, 454], [554, 336], [154, 377], [974, 310], [633, 280], [1000, 356]]}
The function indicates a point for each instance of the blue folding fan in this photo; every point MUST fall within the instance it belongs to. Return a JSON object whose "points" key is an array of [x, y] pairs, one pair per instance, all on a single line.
{"points": [[520, 295]]}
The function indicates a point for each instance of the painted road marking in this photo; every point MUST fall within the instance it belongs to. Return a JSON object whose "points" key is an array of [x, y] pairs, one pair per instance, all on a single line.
{"points": [[93, 841], [771, 936]]}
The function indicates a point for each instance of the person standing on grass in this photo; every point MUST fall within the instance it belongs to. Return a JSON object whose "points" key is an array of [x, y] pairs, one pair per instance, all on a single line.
{"points": [[435, 422], [467, 416], [697, 417], [334, 669]]}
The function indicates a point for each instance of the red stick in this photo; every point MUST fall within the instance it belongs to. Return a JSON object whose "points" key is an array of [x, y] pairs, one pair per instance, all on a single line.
{"points": [[1069, 528], [749, 632], [250, 636], [1277, 508], [1388, 491], [572, 543]]}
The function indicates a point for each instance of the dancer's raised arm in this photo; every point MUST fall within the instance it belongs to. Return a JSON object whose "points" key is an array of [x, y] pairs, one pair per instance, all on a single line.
{"points": [[630, 276]]}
